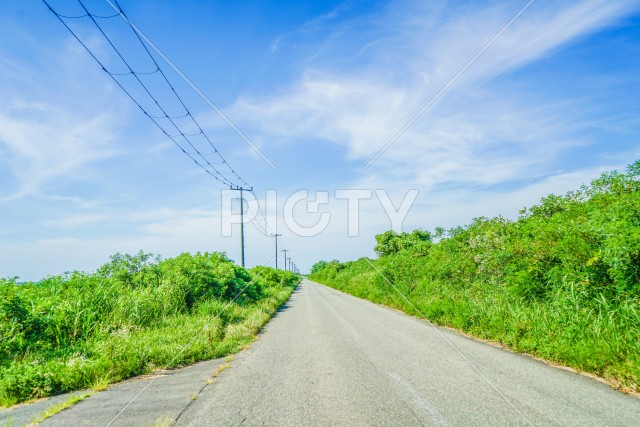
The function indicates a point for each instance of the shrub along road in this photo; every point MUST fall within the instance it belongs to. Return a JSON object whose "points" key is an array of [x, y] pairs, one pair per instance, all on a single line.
{"points": [[328, 358]]}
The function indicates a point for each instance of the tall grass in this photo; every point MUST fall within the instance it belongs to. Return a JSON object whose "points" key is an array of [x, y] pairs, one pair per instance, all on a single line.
{"points": [[562, 282], [135, 314]]}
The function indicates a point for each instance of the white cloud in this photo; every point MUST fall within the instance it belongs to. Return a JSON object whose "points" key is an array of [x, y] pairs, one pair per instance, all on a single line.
{"points": [[39, 153], [53, 132], [167, 232], [309, 26], [479, 133]]}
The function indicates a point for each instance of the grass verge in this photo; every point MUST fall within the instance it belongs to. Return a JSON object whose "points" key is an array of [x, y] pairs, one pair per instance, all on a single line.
{"points": [[135, 315]]}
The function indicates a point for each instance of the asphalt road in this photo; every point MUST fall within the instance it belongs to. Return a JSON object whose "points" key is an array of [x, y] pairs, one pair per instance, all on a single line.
{"points": [[331, 359]]}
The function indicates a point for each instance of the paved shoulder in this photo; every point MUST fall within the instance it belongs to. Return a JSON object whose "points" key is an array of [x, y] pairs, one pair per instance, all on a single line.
{"points": [[331, 359], [149, 400]]}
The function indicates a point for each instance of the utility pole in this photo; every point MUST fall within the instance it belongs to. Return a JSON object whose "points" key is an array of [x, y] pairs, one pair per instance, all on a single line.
{"points": [[285, 257], [241, 219], [276, 236]]}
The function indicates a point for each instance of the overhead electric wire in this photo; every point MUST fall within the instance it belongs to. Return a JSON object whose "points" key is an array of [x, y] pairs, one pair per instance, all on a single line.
{"points": [[133, 99], [172, 117], [260, 230], [196, 155], [284, 247], [140, 73], [188, 134], [181, 135], [258, 225], [267, 229], [87, 14], [146, 89], [175, 93]]}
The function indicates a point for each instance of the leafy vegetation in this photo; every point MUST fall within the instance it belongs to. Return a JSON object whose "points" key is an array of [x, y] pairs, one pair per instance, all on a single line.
{"points": [[135, 314], [561, 282]]}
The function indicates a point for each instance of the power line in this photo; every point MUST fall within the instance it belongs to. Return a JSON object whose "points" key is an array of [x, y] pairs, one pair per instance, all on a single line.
{"points": [[86, 15], [139, 73], [267, 229], [128, 21], [195, 88], [181, 135], [264, 230], [260, 230], [155, 100], [133, 99]]}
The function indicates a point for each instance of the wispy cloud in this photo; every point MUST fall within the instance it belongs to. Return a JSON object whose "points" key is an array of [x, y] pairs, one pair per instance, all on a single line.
{"points": [[39, 153], [481, 132], [52, 134], [310, 26], [167, 231]]}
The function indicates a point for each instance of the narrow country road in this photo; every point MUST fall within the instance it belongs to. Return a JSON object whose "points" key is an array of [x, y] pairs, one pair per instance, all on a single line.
{"points": [[331, 359]]}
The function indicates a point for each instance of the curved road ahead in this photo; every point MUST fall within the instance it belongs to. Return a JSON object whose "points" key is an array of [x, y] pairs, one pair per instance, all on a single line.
{"points": [[331, 359]]}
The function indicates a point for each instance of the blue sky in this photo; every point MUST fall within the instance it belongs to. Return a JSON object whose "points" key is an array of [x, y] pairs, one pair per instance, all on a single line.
{"points": [[320, 88]]}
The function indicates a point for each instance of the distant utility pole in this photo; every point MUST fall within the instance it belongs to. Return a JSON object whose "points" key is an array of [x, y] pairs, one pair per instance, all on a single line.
{"points": [[276, 236], [241, 219], [285, 257]]}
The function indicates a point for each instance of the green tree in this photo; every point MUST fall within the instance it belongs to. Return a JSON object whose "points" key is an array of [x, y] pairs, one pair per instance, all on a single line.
{"points": [[320, 265], [391, 242]]}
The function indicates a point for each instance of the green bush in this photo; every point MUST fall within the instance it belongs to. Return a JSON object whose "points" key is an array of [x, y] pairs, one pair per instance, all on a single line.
{"points": [[318, 266], [390, 242]]}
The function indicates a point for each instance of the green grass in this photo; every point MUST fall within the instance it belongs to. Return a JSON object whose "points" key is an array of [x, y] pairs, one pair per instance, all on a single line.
{"points": [[561, 283], [52, 410], [134, 315], [163, 422]]}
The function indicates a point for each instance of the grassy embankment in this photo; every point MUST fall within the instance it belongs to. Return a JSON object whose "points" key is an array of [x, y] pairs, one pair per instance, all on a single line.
{"points": [[134, 315], [562, 282]]}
